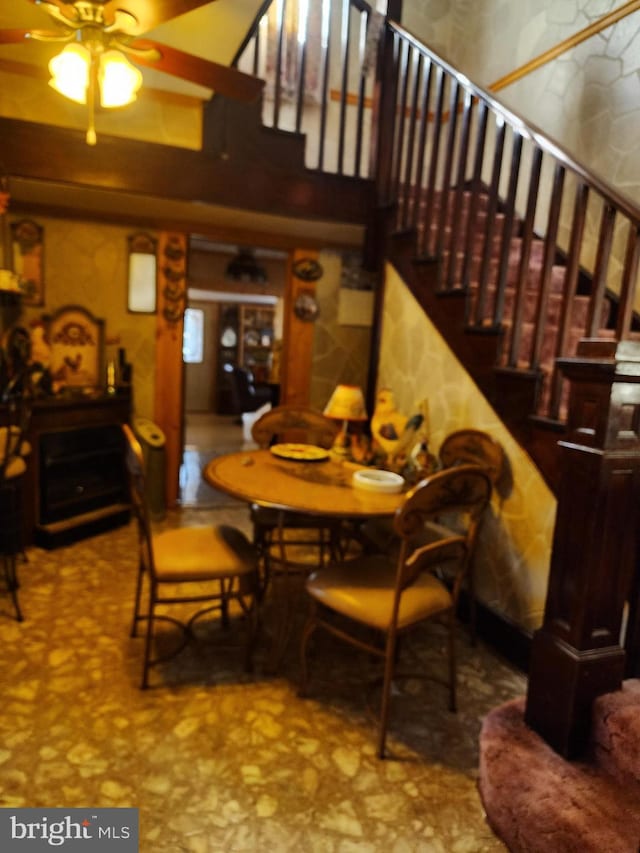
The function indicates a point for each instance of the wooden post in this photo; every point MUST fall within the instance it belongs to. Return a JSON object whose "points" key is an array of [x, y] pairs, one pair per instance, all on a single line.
{"points": [[168, 405], [576, 654], [303, 270]]}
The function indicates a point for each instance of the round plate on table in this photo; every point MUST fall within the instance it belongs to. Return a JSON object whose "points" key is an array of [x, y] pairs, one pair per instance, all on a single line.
{"points": [[300, 452]]}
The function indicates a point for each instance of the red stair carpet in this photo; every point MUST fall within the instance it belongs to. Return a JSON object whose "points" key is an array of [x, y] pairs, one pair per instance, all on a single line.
{"points": [[538, 802]]}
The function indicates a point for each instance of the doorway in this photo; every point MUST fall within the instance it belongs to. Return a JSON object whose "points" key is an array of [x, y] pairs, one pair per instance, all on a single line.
{"points": [[228, 323]]}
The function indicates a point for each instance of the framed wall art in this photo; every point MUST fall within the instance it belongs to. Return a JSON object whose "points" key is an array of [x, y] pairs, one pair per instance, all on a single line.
{"points": [[27, 240], [76, 339]]}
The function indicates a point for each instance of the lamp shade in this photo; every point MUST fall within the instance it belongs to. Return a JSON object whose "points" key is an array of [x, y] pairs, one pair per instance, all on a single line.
{"points": [[346, 404]]}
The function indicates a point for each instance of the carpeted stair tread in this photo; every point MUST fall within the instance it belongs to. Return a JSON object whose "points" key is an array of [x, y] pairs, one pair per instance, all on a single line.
{"points": [[537, 801], [615, 734]]}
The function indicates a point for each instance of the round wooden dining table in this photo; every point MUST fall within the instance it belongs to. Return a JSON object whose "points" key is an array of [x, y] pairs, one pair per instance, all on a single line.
{"points": [[323, 487]]}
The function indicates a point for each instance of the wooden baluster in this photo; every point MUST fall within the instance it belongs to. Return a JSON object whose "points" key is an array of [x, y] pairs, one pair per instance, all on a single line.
{"points": [[364, 20], [454, 99], [525, 252], [409, 185], [551, 239], [345, 36], [599, 280], [418, 216], [569, 291], [457, 218], [480, 144], [507, 233], [492, 209], [435, 156], [325, 63], [628, 283]]}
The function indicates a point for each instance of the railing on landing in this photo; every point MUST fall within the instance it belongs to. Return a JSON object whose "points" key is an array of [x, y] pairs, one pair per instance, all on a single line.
{"points": [[318, 60]]}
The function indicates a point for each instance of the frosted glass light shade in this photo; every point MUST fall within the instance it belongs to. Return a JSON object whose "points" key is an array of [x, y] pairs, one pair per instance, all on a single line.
{"points": [[70, 72], [119, 80]]}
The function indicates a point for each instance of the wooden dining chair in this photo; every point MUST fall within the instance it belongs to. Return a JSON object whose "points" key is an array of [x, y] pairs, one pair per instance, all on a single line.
{"points": [[14, 452], [213, 565], [275, 534], [390, 597], [476, 447]]}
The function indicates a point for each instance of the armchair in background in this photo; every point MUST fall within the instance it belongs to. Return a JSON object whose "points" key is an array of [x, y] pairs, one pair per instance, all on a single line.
{"points": [[246, 395]]}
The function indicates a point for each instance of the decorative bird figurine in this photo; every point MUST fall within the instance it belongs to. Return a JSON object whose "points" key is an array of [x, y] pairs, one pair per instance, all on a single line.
{"points": [[387, 423]]}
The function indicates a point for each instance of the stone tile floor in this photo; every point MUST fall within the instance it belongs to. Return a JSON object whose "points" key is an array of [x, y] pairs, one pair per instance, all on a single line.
{"points": [[217, 759]]}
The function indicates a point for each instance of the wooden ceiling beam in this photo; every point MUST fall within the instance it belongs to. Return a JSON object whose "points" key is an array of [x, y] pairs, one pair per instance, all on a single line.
{"points": [[277, 186]]}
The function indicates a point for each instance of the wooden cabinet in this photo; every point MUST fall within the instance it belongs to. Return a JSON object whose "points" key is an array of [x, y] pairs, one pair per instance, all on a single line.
{"points": [[256, 340], [76, 483], [245, 339]]}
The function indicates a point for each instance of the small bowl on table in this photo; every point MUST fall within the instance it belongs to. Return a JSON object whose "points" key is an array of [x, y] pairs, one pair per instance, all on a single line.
{"points": [[378, 480]]}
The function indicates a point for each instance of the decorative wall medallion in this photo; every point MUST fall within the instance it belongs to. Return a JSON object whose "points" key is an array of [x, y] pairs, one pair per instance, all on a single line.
{"points": [[306, 307], [173, 292], [307, 269]]}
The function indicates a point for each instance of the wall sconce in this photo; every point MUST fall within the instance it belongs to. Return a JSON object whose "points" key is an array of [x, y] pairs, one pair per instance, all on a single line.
{"points": [[142, 289]]}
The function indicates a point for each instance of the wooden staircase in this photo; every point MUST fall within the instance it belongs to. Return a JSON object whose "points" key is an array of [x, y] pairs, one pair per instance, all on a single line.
{"points": [[461, 294], [513, 249]]}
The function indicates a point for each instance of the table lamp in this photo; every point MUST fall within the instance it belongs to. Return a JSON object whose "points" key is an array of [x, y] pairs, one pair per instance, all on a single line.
{"points": [[346, 404]]}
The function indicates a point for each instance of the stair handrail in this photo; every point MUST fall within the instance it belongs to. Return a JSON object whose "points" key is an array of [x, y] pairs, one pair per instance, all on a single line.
{"points": [[625, 204], [563, 46]]}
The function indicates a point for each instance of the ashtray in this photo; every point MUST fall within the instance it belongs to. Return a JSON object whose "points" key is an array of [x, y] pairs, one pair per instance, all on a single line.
{"points": [[377, 480]]}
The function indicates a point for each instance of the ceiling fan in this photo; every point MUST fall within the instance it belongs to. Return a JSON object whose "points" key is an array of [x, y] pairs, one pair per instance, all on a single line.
{"points": [[101, 37]]}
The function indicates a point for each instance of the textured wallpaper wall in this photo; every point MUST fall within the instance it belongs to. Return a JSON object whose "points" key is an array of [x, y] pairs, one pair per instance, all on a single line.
{"points": [[515, 545], [86, 264]]}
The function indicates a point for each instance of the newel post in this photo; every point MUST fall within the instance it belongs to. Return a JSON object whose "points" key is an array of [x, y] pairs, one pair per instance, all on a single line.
{"points": [[576, 654]]}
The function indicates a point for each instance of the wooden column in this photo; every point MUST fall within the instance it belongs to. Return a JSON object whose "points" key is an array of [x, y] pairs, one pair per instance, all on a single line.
{"points": [[299, 324], [172, 283], [576, 654]]}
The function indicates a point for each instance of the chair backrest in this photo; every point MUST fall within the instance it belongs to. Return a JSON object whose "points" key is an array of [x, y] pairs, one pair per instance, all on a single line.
{"points": [[13, 434], [463, 491], [295, 424], [134, 461], [473, 446]]}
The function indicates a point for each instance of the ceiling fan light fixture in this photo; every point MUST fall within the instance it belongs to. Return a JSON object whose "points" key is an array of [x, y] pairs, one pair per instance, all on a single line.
{"points": [[70, 72], [119, 80]]}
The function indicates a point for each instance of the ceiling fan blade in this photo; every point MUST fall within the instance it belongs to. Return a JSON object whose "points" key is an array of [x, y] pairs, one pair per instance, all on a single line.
{"points": [[152, 13], [13, 36], [224, 80]]}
